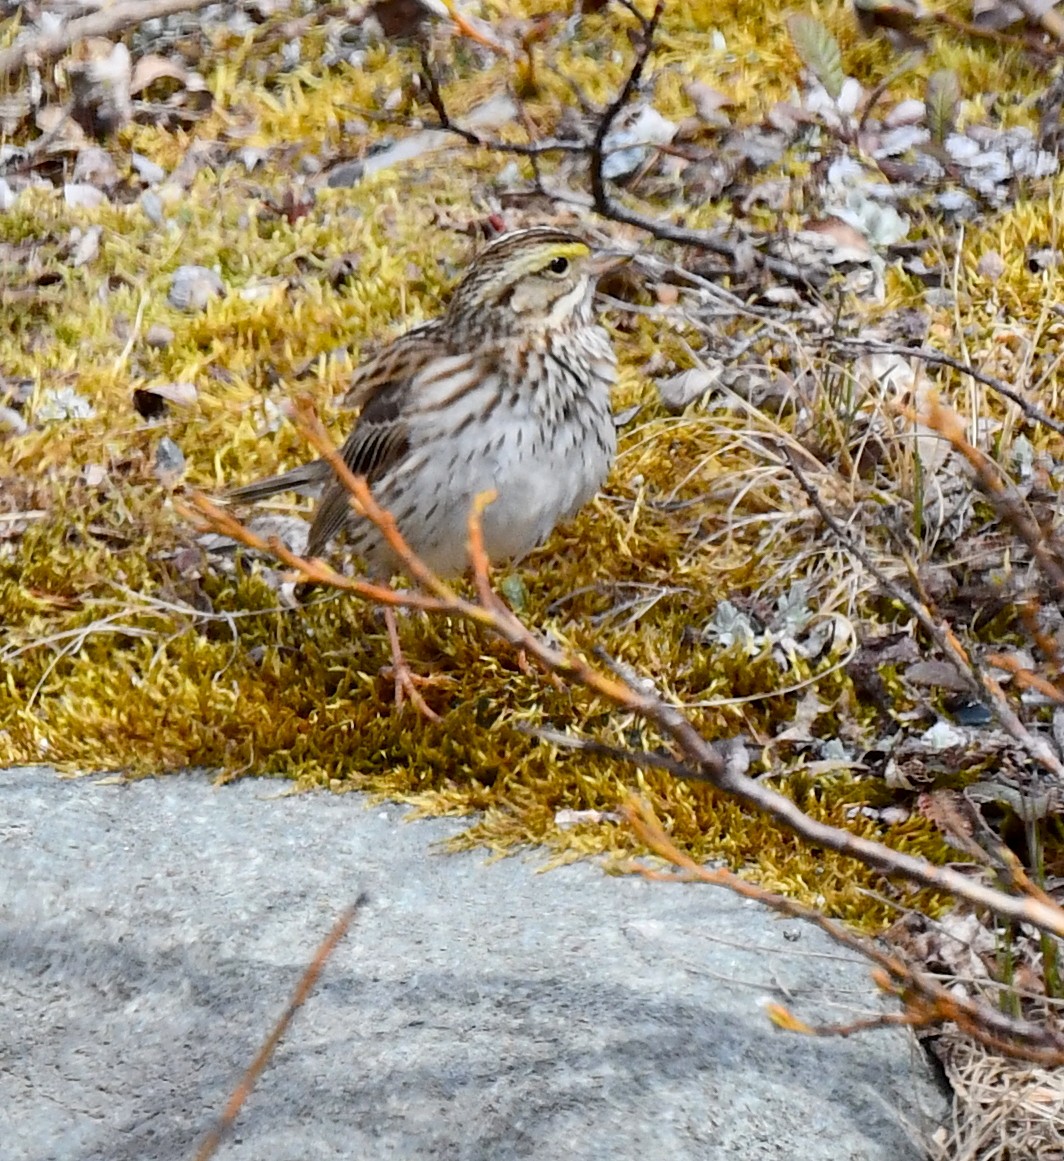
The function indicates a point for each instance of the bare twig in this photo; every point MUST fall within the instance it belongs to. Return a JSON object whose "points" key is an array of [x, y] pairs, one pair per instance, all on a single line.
{"points": [[1009, 506], [644, 758], [315, 571], [262, 1057], [739, 253], [723, 767], [314, 431], [476, 31], [979, 32], [613, 109], [606, 205], [1049, 19], [926, 1001], [447, 124], [939, 359]]}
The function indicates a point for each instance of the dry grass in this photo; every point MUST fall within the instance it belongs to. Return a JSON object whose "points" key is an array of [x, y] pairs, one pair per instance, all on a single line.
{"points": [[1002, 1110]]}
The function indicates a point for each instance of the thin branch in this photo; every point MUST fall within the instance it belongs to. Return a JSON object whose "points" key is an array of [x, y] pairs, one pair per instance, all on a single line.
{"points": [[1046, 16], [1008, 505], [613, 109], [314, 431], [604, 203], [478, 554], [644, 758], [446, 123], [724, 767], [739, 253], [317, 572], [937, 358], [476, 30], [262, 1057], [644, 21], [926, 1000]]}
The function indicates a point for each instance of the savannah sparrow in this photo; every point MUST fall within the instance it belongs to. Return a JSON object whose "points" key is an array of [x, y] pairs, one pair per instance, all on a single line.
{"points": [[509, 389]]}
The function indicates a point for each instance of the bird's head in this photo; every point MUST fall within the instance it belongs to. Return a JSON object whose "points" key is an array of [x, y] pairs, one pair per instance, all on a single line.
{"points": [[535, 279]]}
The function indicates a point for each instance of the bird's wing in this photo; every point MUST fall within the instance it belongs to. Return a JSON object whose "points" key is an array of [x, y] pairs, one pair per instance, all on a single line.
{"points": [[395, 363], [388, 387]]}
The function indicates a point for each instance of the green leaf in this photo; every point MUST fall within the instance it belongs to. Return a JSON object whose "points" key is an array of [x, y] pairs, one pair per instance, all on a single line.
{"points": [[819, 51], [942, 98]]}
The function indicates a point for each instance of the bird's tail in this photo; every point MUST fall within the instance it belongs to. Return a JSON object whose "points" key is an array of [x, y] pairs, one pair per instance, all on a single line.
{"points": [[307, 479]]}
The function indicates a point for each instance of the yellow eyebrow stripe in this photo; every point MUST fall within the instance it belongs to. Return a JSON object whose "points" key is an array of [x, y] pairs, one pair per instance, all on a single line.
{"points": [[569, 250]]}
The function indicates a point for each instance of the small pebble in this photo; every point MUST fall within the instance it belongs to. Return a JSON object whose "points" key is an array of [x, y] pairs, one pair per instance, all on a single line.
{"points": [[80, 196], [193, 287], [95, 166], [152, 205], [85, 247], [991, 265], [159, 336], [12, 421], [147, 170], [169, 461]]}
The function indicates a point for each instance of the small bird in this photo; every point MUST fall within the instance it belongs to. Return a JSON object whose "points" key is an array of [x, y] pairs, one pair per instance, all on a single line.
{"points": [[508, 390]]}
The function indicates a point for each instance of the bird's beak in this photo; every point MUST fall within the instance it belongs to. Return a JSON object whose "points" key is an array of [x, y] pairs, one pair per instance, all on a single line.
{"points": [[605, 261]]}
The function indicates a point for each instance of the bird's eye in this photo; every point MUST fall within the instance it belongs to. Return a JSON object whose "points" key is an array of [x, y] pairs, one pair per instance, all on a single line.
{"points": [[558, 265]]}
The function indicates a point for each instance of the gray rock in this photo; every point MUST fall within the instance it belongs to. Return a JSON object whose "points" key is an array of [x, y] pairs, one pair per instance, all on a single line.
{"points": [[151, 933]]}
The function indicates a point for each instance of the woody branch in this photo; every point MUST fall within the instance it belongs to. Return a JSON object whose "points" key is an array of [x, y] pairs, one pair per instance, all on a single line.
{"points": [[695, 757]]}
